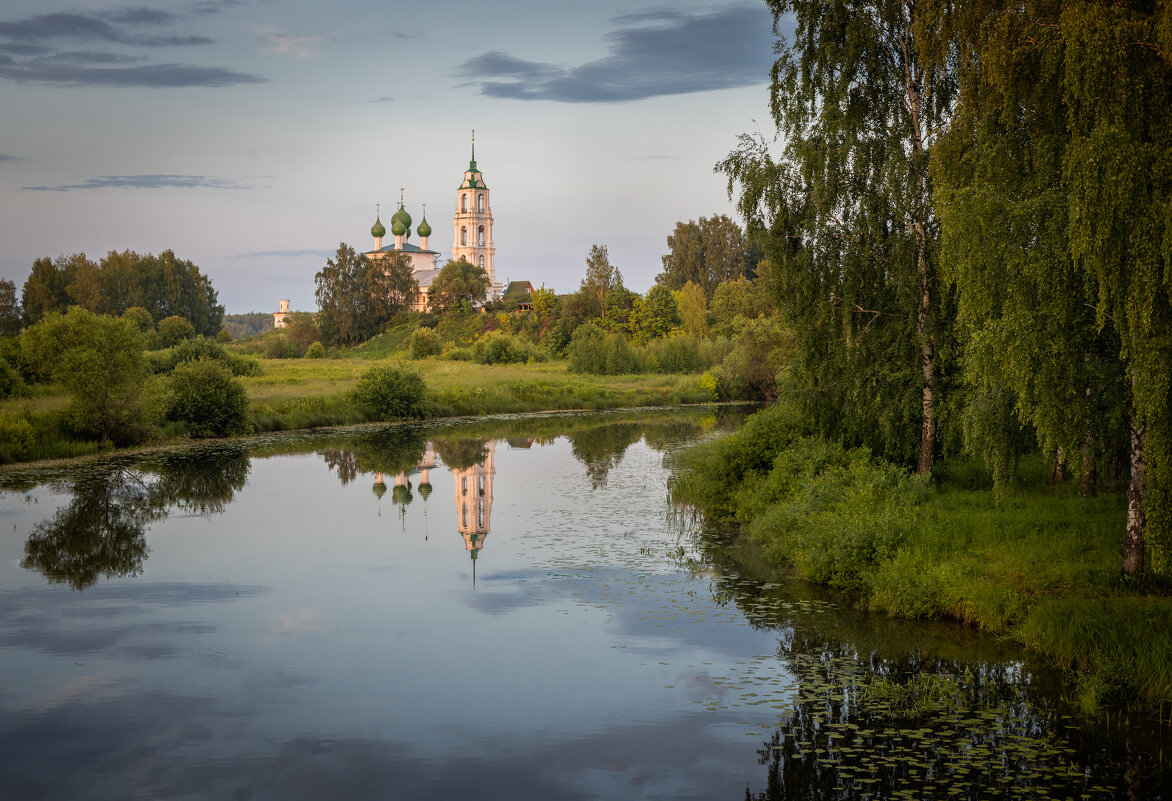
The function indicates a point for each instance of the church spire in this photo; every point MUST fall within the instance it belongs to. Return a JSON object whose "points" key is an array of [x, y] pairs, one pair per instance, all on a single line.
{"points": [[472, 163]]}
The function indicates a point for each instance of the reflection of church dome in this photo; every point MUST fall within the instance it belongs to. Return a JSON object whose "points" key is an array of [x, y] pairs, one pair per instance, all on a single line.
{"points": [[378, 230], [401, 494], [379, 489], [425, 489]]}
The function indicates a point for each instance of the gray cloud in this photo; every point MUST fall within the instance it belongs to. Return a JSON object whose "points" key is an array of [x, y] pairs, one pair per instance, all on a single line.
{"points": [[160, 181], [383, 99], [86, 28], [651, 54], [29, 51], [151, 76], [6, 157]]}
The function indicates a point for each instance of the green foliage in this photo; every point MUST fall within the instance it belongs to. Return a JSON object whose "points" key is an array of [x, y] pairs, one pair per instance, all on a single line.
{"points": [[140, 318], [10, 311], [99, 362], [737, 301], [655, 315], [165, 361], [707, 254], [679, 354], [458, 287], [592, 350], [846, 220], [755, 362], [173, 330], [17, 438], [497, 348], [601, 278], [315, 351], [425, 342], [302, 330], [242, 326], [391, 393], [224, 336], [357, 296], [11, 382], [279, 346], [693, 309], [206, 397]]}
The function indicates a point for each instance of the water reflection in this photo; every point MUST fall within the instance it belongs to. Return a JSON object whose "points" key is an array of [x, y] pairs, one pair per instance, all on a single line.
{"points": [[101, 532]]}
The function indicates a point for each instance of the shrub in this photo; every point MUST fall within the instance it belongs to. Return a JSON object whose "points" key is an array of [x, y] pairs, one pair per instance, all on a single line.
{"points": [[223, 335], [597, 352], [678, 355], [315, 351], [458, 354], [425, 342], [16, 438], [499, 348], [163, 362], [11, 382], [208, 399], [174, 329], [279, 346], [390, 392]]}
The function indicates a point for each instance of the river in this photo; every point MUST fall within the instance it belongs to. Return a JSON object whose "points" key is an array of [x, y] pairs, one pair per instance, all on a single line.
{"points": [[495, 609]]}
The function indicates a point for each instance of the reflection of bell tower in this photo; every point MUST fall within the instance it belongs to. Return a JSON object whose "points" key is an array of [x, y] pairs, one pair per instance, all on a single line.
{"points": [[474, 501]]}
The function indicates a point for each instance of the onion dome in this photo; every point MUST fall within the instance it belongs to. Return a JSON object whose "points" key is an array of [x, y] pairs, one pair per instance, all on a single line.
{"points": [[425, 488], [397, 227], [402, 216], [401, 494], [380, 489], [424, 229], [377, 230]]}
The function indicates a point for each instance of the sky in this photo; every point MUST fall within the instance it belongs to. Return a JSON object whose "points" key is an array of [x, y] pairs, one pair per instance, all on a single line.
{"points": [[253, 136]]}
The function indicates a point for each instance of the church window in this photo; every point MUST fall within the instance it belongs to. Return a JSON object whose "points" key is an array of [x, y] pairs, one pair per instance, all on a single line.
{"points": [[481, 488], [463, 235], [480, 236], [480, 203], [464, 202], [464, 516], [481, 265], [480, 520], [465, 487]]}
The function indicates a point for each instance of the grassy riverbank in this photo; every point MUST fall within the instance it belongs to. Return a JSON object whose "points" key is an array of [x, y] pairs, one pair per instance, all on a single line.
{"points": [[1042, 566], [291, 394]]}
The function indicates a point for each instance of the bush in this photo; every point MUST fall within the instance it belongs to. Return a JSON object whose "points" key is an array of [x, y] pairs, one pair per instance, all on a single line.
{"points": [[174, 329], [597, 352], [223, 335], [279, 346], [390, 393], [11, 383], [679, 354], [498, 348], [208, 399], [315, 351], [459, 354], [425, 342], [16, 439], [163, 362]]}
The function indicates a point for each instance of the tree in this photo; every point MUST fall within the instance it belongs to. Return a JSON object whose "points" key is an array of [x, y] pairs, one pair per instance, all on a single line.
{"points": [[601, 278], [693, 309], [302, 330], [1061, 147], [655, 315], [734, 302], [45, 289], [164, 285], [208, 398], [357, 295], [389, 392], [460, 284], [10, 312], [620, 305], [846, 216], [173, 330], [100, 363], [707, 253]]}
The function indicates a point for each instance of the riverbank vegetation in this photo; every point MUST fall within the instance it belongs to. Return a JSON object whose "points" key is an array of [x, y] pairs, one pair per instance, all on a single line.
{"points": [[1042, 565]]}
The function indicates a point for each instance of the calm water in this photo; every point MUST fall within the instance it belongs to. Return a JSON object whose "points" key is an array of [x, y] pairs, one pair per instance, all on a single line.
{"points": [[503, 609]]}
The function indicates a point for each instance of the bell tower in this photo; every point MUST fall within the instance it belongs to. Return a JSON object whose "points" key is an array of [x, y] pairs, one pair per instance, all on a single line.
{"points": [[473, 224]]}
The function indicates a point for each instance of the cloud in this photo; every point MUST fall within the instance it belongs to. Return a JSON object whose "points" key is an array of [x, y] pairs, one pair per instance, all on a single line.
{"points": [[383, 99], [31, 51], [151, 76], [283, 44], [284, 254], [651, 53], [86, 28], [6, 157], [160, 181]]}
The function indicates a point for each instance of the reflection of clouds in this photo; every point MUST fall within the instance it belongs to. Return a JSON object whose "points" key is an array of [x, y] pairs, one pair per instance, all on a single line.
{"points": [[78, 689], [300, 622]]}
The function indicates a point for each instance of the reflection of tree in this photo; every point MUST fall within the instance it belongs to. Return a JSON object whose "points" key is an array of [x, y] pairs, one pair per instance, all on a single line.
{"points": [[390, 450], [100, 533], [203, 482], [460, 453], [342, 462], [601, 448]]}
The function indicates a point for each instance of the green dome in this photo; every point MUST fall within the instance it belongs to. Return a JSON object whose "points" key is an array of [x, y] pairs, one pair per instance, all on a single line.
{"points": [[401, 495], [377, 229], [397, 227], [380, 489], [424, 229], [425, 488], [402, 216]]}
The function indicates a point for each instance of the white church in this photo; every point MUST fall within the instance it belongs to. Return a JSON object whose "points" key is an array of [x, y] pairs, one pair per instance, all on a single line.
{"points": [[471, 236]]}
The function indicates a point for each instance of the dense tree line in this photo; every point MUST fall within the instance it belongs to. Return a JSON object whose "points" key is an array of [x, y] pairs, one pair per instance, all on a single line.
{"points": [[968, 231], [163, 285]]}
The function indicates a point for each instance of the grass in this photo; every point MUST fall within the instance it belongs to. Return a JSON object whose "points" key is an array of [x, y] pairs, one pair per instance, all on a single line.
{"points": [[292, 394], [1042, 566]]}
